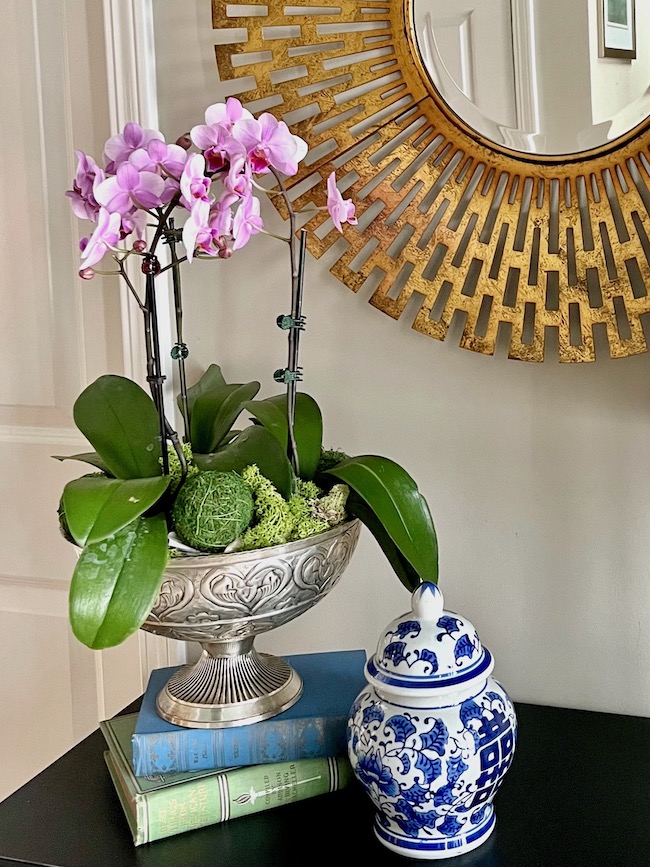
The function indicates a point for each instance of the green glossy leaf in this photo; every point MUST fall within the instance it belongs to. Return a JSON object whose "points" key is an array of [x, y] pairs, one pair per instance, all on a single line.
{"points": [[401, 511], [116, 581], [215, 412], [254, 445], [120, 420], [212, 378], [307, 428], [87, 457], [96, 508], [358, 508]]}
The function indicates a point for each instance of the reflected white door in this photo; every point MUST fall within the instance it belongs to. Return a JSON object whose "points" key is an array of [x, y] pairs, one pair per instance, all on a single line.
{"points": [[481, 57], [474, 41], [58, 334]]}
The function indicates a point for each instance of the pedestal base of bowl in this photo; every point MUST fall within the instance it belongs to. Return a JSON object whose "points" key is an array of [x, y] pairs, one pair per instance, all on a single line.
{"points": [[219, 691]]}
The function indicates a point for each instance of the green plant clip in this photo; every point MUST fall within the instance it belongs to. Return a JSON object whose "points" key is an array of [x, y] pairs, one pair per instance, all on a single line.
{"points": [[285, 375], [287, 322]]}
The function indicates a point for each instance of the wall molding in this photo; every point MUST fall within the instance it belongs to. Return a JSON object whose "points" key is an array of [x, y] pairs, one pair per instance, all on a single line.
{"points": [[54, 585], [30, 596], [33, 435]]}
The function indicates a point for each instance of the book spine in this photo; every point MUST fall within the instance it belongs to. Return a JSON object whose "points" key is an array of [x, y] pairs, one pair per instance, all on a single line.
{"points": [[265, 742], [219, 798]]}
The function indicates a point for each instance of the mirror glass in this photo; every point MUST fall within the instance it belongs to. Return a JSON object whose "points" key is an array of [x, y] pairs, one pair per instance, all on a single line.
{"points": [[539, 76]]}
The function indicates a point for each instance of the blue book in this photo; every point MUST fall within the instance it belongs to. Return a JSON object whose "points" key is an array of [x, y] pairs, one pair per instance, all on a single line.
{"points": [[314, 727]]}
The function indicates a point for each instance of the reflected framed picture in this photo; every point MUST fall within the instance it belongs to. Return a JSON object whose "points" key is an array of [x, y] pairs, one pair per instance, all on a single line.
{"points": [[617, 26]]}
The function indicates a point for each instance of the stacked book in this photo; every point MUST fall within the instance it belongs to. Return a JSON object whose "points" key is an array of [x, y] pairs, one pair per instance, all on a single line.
{"points": [[170, 779]]}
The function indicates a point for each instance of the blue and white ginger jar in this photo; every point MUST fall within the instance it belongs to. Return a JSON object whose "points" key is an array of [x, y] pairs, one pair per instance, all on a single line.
{"points": [[433, 734]]}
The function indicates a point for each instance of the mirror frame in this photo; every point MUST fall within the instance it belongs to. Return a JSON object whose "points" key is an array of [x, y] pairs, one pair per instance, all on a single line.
{"points": [[524, 250]]}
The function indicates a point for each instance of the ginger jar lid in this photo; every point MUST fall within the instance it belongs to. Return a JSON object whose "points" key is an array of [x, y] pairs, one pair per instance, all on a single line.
{"points": [[428, 649]]}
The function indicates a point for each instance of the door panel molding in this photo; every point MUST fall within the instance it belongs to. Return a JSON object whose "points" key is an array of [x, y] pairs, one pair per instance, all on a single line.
{"points": [[59, 436], [130, 52]]}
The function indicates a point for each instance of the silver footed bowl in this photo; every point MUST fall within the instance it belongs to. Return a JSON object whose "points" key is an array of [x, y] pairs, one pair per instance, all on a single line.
{"points": [[222, 601]]}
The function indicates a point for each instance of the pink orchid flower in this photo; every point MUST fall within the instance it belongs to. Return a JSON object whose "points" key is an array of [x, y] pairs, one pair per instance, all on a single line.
{"points": [[340, 210], [269, 143], [82, 198], [217, 144], [238, 180], [129, 188], [226, 114], [206, 227], [104, 238], [134, 222], [221, 213], [194, 184], [119, 148], [196, 231], [246, 222], [161, 158]]}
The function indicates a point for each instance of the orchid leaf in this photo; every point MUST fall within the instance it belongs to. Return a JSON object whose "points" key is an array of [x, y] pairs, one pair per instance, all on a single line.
{"points": [[215, 412], [358, 508], [212, 378], [87, 457], [401, 512], [96, 508], [254, 445], [116, 581], [120, 420], [307, 428]]}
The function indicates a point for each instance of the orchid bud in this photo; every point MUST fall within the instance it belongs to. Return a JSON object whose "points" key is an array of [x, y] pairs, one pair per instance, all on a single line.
{"points": [[225, 253], [139, 246], [184, 142], [87, 273]]}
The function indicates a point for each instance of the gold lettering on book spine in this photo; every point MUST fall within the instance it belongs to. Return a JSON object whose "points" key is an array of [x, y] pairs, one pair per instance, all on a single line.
{"points": [[449, 224]]}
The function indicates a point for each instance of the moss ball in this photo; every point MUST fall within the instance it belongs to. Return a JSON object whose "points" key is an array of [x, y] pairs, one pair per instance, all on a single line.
{"points": [[212, 509]]}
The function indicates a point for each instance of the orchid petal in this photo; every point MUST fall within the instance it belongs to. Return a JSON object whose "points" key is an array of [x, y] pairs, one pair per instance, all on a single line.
{"points": [[340, 210]]}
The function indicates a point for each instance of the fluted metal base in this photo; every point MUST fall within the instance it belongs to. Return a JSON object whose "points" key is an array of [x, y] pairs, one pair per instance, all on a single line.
{"points": [[223, 601], [230, 685]]}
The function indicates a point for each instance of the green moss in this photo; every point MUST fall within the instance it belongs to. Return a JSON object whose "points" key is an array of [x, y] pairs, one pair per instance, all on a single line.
{"points": [[331, 507], [212, 509], [330, 458], [277, 521], [305, 522], [175, 472], [308, 489], [273, 522]]}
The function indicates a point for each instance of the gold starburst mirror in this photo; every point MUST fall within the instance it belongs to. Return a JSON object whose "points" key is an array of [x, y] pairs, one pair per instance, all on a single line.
{"points": [[499, 201]]}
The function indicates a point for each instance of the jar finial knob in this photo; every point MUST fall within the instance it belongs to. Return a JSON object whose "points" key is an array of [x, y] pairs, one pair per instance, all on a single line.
{"points": [[427, 601]]}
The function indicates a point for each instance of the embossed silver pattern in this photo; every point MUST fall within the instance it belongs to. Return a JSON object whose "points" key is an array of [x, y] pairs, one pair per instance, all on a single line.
{"points": [[223, 601]]}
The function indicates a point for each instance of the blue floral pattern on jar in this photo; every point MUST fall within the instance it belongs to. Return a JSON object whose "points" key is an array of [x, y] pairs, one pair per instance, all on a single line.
{"points": [[433, 734], [432, 776]]}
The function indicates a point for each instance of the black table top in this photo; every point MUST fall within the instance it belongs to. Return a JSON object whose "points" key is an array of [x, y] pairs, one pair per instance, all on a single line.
{"points": [[578, 793]]}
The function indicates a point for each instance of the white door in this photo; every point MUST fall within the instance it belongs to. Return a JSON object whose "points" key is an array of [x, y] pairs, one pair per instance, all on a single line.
{"points": [[479, 54], [59, 333]]}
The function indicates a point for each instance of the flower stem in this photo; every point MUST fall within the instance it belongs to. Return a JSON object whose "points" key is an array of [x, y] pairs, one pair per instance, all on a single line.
{"points": [[125, 277], [297, 271], [297, 280], [181, 348], [155, 377]]}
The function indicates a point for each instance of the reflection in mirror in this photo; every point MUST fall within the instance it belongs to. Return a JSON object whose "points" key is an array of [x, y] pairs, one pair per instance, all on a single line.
{"points": [[527, 74]]}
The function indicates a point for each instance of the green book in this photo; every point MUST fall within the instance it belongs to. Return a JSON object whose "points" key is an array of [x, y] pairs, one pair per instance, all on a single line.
{"points": [[162, 805]]}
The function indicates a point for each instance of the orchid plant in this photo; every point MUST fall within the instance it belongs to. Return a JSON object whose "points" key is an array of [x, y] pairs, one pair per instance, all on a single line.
{"points": [[121, 517]]}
